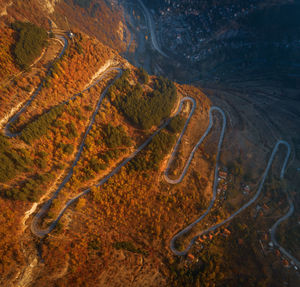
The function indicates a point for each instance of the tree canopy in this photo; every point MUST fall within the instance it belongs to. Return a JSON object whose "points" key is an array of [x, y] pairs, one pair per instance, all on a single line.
{"points": [[38, 128], [31, 39], [83, 3], [151, 156], [144, 109], [12, 160], [115, 136], [176, 124]]}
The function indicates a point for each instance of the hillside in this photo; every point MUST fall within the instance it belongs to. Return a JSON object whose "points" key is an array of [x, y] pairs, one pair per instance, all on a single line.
{"points": [[101, 19], [113, 176], [60, 112]]}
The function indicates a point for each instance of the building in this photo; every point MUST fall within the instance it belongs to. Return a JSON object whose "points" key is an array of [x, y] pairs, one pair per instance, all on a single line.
{"points": [[240, 241]]}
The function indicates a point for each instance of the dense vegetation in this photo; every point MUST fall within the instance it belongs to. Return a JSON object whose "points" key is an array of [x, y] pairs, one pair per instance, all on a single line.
{"points": [[152, 155], [144, 110], [176, 124], [31, 39], [115, 136], [30, 189], [38, 128], [7, 63], [101, 147], [12, 160]]}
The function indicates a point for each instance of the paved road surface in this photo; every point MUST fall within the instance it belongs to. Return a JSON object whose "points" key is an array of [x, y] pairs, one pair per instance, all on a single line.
{"points": [[150, 23], [275, 226], [224, 122], [35, 223], [185, 169], [7, 131], [251, 201], [42, 232]]}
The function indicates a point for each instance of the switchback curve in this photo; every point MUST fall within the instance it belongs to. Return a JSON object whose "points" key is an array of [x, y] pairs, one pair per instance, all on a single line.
{"points": [[251, 201], [7, 131]]}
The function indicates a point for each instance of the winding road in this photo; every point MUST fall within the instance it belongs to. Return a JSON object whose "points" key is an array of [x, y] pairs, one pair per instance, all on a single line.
{"points": [[35, 223], [7, 131], [275, 226], [185, 169], [37, 218], [150, 23], [251, 201]]}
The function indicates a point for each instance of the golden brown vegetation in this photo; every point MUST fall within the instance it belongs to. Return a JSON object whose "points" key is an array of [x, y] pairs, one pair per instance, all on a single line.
{"points": [[7, 63], [100, 19]]}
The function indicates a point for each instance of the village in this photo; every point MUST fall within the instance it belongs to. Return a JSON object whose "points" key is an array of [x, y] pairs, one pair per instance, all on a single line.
{"points": [[225, 178], [187, 22]]}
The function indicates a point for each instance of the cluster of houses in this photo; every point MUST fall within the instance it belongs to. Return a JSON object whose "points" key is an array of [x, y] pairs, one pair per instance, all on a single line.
{"points": [[203, 239], [262, 209], [284, 261], [224, 178], [268, 246]]}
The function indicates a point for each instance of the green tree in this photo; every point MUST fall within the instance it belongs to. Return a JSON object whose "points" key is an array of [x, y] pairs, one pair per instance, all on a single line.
{"points": [[31, 39]]}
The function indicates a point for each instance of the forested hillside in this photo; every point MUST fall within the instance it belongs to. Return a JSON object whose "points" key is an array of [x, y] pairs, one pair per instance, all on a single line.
{"points": [[31, 39], [72, 133], [141, 108]]}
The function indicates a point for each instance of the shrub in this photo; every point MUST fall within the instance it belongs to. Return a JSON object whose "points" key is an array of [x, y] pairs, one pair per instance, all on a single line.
{"points": [[68, 149], [72, 131], [143, 75], [83, 3]]}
